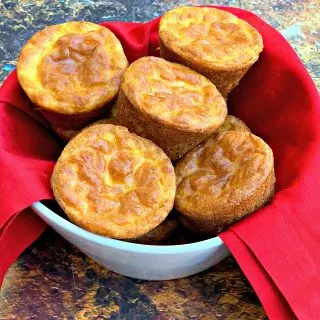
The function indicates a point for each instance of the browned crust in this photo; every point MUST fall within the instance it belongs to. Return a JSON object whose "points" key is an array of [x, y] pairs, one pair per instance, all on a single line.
{"points": [[211, 225], [224, 80], [175, 142]]}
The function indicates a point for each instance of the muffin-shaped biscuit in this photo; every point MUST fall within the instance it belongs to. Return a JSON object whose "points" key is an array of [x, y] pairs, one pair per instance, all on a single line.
{"points": [[170, 104], [213, 42], [113, 182], [232, 123], [64, 134], [68, 134], [162, 234], [71, 72], [222, 180]]}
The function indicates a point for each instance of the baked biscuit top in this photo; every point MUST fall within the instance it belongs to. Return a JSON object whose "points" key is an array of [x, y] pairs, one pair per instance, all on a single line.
{"points": [[113, 182], [174, 94], [212, 37], [73, 67], [221, 172]]}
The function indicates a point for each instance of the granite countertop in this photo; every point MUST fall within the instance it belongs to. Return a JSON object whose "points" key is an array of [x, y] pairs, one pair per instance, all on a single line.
{"points": [[52, 279]]}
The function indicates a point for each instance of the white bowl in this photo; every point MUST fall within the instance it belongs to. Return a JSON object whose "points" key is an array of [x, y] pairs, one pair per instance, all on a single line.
{"points": [[138, 260]]}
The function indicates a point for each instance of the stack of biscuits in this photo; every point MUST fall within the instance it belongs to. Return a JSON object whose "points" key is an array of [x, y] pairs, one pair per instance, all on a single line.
{"points": [[152, 137]]}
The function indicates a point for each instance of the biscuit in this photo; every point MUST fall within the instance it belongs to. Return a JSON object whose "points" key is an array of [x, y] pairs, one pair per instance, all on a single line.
{"points": [[68, 134], [213, 42], [170, 104], [232, 123], [227, 177], [64, 134], [161, 234], [113, 182], [71, 72]]}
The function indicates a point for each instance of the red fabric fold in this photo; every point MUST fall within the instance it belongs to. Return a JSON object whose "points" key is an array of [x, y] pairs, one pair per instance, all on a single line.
{"points": [[134, 37], [276, 306], [277, 246], [18, 233]]}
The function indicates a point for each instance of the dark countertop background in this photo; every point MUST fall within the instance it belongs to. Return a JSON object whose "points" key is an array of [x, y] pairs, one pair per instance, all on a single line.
{"points": [[52, 279]]}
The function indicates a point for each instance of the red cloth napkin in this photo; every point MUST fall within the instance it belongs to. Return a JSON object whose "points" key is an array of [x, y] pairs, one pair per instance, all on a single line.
{"points": [[278, 246]]}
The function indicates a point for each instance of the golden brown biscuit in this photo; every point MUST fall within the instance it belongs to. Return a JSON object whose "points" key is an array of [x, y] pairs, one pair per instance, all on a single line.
{"points": [[232, 123], [213, 42], [227, 177], [170, 104], [113, 182], [71, 72], [67, 135], [161, 234], [64, 134]]}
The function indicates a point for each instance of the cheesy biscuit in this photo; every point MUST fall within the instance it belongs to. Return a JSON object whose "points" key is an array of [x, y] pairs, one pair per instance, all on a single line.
{"points": [[227, 177], [113, 182], [213, 42], [170, 104], [71, 72]]}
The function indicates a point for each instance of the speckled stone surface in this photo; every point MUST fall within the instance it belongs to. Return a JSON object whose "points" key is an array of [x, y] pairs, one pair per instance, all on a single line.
{"points": [[52, 279], [297, 20]]}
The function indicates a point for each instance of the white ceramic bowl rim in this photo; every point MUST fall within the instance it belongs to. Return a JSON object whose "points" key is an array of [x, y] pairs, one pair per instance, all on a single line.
{"points": [[123, 245]]}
